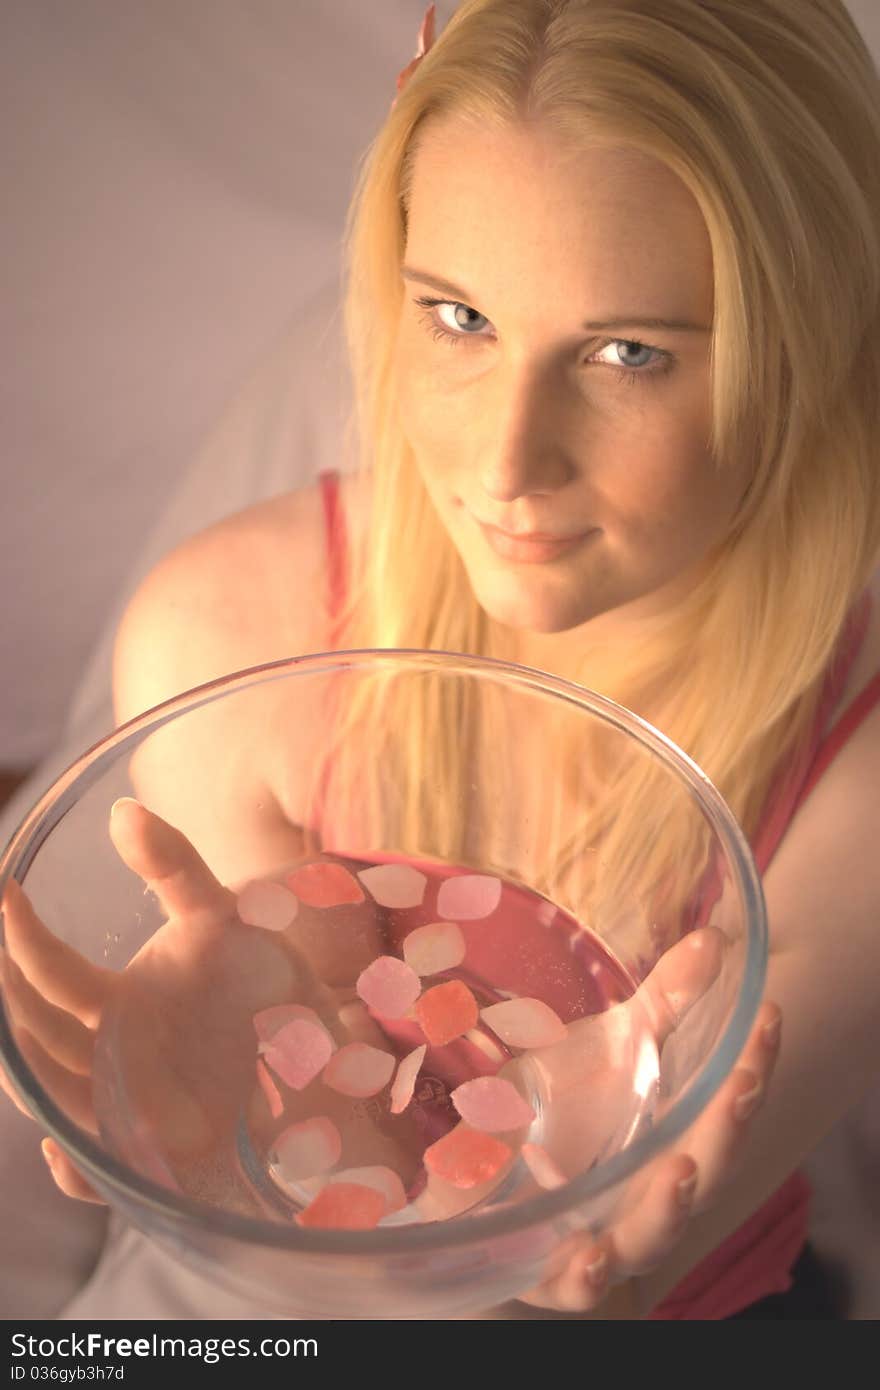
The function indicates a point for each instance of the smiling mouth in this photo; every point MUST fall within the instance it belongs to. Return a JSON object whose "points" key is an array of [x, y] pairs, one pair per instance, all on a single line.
{"points": [[530, 549]]}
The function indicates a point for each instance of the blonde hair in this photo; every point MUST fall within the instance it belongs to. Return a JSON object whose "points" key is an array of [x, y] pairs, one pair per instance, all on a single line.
{"points": [[769, 112]]}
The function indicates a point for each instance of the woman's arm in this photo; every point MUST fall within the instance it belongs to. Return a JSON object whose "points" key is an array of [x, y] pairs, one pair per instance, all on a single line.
{"points": [[244, 592], [823, 901]]}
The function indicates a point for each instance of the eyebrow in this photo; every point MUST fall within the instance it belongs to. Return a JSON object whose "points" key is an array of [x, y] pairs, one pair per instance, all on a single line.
{"points": [[592, 325]]}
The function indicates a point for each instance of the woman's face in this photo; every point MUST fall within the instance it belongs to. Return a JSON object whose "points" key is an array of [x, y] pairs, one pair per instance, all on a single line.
{"points": [[533, 417]]}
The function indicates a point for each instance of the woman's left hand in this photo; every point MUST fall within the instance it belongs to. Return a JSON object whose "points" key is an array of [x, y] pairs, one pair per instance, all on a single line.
{"points": [[678, 1185]]}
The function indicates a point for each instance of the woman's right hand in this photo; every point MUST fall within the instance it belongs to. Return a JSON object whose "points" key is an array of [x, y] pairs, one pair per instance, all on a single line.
{"points": [[179, 1017]]}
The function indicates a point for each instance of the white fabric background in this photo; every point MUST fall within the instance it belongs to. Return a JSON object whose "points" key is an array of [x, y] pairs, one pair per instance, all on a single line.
{"points": [[175, 179]]}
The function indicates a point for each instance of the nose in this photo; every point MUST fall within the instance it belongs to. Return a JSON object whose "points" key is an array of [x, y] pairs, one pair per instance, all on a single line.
{"points": [[523, 428]]}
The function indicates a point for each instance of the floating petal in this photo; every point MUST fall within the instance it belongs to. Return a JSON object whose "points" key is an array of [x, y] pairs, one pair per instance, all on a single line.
{"points": [[389, 986], [404, 1082], [298, 1052], [490, 1104], [268, 1021], [383, 1180], [465, 1158], [467, 897], [344, 1206], [324, 885], [268, 905], [438, 946], [394, 885], [358, 1070], [446, 1011], [303, 1150], [524, 1023]]}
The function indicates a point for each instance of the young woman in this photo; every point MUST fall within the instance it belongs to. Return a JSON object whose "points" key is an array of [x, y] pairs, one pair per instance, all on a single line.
{"points": [[613, 310]]}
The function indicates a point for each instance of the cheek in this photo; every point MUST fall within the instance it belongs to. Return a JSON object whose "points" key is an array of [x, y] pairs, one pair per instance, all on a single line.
{"points": [[668, 502], [427, 410]]}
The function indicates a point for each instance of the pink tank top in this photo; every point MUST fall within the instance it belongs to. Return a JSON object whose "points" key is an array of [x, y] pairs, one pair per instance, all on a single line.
{"points": [[756, 1260]]}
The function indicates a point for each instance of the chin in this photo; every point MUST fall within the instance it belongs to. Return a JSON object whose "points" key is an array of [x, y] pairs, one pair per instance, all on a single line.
{"points": [[530, 612]]}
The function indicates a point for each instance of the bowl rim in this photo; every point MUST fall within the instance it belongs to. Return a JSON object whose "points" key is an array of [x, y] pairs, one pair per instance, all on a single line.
{"points": [[141, 1194]]}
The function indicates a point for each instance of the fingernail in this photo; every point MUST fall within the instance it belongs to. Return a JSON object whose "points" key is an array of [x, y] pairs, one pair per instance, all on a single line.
{"points": [[745, 1104], [685, 1190], [770, 1032], [122, 801], [47, 1152], [597, 1272]]}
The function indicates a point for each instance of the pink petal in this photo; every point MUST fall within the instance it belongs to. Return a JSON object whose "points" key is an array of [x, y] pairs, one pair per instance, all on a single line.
{"points": [[344, 1206], [268, 1021], [405, 1081], [389, 986], [544, 1169], [324, 885], [382, 1180], [303, 1150], [268, 905], [524, 1023], [465, 1158], [466, 897], [491, 1104], [438, 946], [358, 1070], [394, 885], [270, 1090], [298, 1051], [446, 1011]]}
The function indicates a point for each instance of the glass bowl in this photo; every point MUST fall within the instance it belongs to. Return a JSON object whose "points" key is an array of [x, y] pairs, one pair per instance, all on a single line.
{"points": [[510, 952]]}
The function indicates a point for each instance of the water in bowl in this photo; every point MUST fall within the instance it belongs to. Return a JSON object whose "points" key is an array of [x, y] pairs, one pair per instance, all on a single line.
{"points": [[588, 1088]]}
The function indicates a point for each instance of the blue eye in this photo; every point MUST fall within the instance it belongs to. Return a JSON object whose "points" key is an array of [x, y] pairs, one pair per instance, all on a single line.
{"points": [[661, 362], [460, 313]]}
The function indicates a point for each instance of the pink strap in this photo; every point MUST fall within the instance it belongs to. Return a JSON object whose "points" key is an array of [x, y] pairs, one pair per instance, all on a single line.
{"points": [[845, 726], [752, 1263]]}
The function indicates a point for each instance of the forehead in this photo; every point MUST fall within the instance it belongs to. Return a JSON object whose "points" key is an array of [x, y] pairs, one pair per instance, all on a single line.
{"points": [[520, 206]]}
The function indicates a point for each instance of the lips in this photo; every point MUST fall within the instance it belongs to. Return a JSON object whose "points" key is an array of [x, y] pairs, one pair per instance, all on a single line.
{"points": [[531, 549], [526, 535]]}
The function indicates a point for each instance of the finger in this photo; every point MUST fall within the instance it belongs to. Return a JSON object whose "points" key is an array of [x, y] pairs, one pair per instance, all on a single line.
{"points": [[636, 1243], [72, 1094], [674, 1190], [164, 858], [67, 1178], [761, 1051], [647, 1231], [62, 1035], [582, 1282], [56, 971], [681, 976], [718, 1138]]}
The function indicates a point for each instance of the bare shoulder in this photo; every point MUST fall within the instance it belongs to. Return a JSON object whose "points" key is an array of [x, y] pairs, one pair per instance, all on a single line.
{"points": [[247, 590]]}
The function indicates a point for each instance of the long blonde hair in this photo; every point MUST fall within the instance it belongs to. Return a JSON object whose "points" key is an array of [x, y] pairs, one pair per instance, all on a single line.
{"points": [[769, 112]]}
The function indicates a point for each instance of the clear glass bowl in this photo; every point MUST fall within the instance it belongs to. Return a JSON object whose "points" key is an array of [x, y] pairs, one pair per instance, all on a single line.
{"points": [[557, 847]]}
